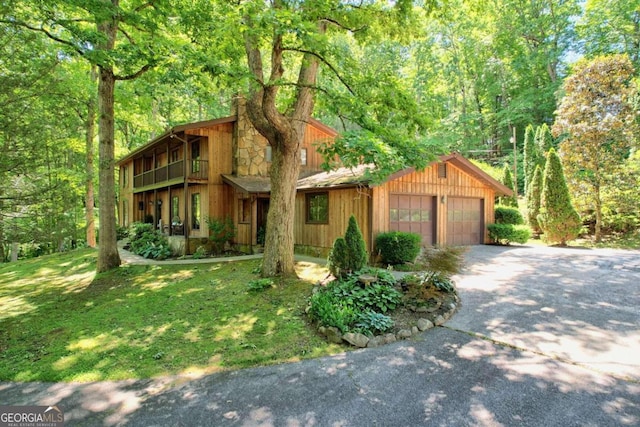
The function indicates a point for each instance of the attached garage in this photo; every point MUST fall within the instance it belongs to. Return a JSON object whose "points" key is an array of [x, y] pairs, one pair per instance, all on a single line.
{"points": [[465, 221], [413, 213]]}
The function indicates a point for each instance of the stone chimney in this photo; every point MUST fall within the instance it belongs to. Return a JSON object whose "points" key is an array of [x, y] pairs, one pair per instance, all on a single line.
{"points": [[249, 146]]}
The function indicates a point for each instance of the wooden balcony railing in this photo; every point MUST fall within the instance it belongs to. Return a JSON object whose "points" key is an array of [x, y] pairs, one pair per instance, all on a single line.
{"points": [[198, 169]]}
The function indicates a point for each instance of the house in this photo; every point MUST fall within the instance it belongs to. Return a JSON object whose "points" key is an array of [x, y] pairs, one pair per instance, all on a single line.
{"points": [[220, 168]]}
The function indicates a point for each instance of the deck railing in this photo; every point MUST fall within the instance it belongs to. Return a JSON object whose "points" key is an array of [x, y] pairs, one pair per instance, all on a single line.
{"points": [[198, 169]]}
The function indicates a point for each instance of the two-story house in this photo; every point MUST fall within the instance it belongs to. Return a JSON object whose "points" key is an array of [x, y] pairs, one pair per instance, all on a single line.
{"points": [[220, 168]]}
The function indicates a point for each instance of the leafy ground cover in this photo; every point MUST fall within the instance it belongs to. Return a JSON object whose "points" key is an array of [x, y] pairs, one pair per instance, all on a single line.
{"points": [[59, 321]]}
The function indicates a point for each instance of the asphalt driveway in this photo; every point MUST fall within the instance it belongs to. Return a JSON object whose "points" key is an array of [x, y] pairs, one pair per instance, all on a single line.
{"points": [[545, 337]]}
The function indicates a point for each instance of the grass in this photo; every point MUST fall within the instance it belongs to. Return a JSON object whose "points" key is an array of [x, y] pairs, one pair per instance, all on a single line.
{"points": [[59, 321]]}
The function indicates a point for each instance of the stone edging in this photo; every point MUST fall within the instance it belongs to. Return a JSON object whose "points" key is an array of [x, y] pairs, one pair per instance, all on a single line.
{"points": [[333, 334]]}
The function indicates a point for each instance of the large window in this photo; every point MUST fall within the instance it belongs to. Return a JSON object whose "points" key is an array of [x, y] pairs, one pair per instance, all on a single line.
{"points": [[125, 213], [125, 176], [317, 208], [195, 211], [175, 209]]}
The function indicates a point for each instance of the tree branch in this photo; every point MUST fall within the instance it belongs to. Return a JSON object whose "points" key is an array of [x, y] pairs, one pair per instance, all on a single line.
{"points": [[135, 75]]}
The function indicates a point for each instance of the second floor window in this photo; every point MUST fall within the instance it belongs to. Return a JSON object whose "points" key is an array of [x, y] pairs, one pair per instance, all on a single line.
{"points": [[195, 156]]}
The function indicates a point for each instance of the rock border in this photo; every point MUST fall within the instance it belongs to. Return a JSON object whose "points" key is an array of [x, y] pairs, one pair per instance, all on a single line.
{"points": [[333, 334]]}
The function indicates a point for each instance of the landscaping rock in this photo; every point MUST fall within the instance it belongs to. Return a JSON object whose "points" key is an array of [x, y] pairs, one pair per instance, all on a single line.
{"points": [[389, 338], [322, 331], [414, 330], [403, 333], [376, 341], [356, 339], [439, 320], [424, 324], [333, 335]]}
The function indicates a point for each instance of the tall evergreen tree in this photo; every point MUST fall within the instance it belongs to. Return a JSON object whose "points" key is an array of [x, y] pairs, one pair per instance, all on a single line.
{"points": [[531, 155], [544, 139], [507, 179], [558, 218], [534, 192]]}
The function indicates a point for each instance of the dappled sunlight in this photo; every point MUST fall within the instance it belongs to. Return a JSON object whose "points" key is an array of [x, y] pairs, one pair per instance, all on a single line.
{"points": [[235, 328], [311, 272], [15, 306], [102, 341]]}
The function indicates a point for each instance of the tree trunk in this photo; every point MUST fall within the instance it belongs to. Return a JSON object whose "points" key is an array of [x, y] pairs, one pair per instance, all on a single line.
{"points": [[108, 257], [278, 257], [90, 202], [598, 202]]}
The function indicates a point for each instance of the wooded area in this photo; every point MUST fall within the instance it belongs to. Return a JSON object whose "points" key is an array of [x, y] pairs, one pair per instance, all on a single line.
{"points": [[402, 81]]}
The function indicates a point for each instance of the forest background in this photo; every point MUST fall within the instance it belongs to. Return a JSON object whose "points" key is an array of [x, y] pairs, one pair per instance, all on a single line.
{"points": [[472, 74]]}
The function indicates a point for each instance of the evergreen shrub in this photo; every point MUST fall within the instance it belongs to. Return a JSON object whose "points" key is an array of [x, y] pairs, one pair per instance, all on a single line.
{"points": [[398, 247], [504, 234], [508, 215]]}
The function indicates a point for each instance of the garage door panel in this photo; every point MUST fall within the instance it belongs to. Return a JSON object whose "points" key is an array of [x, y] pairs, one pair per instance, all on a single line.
{"points": [[412, 213], [464, 221]]}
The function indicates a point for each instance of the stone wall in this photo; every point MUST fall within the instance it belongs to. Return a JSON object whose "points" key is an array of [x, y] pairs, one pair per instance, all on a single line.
{"points": [[250, 147]]}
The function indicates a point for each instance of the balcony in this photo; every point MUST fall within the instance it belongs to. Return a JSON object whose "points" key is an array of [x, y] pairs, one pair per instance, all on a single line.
{"points": [[174, 173]]}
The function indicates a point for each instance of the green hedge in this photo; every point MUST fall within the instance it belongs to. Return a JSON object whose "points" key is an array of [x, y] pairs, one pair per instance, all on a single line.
{"points": [[398, 247], [504, 234], [508, 215]]}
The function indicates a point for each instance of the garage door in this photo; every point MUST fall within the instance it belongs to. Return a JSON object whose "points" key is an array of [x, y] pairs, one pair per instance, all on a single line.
{"points": [[465, 222], [415, 214]]}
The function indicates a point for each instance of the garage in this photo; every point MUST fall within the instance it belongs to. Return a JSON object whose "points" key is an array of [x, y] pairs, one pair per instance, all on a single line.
{"points": [[465, 221], [413, 213]]}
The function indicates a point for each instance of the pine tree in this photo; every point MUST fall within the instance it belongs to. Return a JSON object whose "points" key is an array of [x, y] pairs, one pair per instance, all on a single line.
{"points": [[355, 246], [534, 191], [544, 139], [507, 180], [558, 219], [531, 156]]}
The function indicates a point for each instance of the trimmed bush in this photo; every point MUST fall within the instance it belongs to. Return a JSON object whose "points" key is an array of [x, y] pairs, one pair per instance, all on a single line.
{"points": [[398, 247], [349, 253], [508, 215], [447, 260], [504, 234]]}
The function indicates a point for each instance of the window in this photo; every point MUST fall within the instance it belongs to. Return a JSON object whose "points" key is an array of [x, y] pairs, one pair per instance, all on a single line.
{"points": [[442, 170], [317, 208], [125, 176], [267, 153], [175, 155], [195, 156], [244, 210], [175, 210], [303, 156], [195, 211]]}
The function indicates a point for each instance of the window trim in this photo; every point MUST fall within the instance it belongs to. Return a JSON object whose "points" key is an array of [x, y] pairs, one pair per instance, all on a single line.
{"points": [[196, 213], [308, 209]]}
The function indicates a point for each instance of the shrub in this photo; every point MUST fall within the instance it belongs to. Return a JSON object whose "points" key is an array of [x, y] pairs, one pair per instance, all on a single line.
{"points": [[447, 260], [220, 232], [343, 303], [439, 281], [371, 323], [508, 215], [147, 242], [398, 247], [200, 252], [121, 232], [558, 218], [504, 234], [348, 253]]}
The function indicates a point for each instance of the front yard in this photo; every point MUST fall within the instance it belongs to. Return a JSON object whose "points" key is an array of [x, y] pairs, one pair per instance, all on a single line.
{"points": [[59, 321]]}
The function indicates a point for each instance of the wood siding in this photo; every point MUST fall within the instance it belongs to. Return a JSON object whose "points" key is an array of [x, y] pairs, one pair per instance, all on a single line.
{"points": [[317, 239], [427, 182]]}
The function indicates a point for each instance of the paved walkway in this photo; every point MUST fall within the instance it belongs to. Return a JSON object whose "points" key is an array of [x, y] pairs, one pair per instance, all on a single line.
{"points": [[545, 337]]}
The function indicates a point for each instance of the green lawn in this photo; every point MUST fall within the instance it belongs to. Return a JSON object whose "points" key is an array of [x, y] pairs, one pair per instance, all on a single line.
{"points": [[59, 321]]}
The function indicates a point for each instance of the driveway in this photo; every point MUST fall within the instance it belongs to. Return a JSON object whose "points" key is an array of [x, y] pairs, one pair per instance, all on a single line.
{"points": [[545, 337]]}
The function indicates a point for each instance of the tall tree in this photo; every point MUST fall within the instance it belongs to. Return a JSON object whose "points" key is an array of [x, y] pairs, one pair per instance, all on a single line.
{"points": [[531, 155], [507, 180], [285, 45], [121, 40], [534, 194], [597, 119], [611, 26], [558, 219]]}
